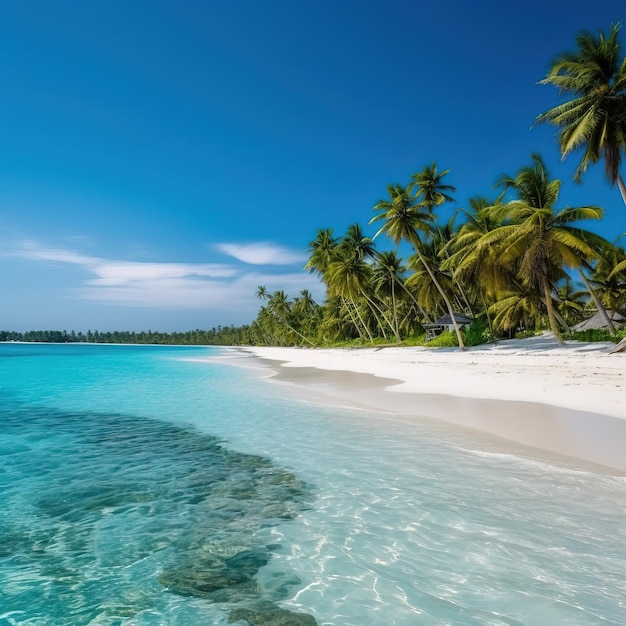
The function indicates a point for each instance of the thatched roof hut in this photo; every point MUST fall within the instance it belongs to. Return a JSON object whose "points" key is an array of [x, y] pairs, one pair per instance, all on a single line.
{"points": [[445, 323], [597, 322]]}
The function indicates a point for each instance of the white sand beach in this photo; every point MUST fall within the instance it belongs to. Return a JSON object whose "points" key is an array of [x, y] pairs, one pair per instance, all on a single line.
{"points": [[570, 400]]}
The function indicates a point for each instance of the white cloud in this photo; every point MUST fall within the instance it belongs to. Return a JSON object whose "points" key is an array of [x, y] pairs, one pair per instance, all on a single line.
{"points": [[171, 286], [261, 253]]}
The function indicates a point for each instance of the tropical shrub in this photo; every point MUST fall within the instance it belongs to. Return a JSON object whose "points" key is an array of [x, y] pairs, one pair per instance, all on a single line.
{"points": [[447, 339], [594, 334]]}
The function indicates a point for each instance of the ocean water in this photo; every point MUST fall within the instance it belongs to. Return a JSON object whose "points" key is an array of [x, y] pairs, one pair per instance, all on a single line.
{"points": [[144, 485]]}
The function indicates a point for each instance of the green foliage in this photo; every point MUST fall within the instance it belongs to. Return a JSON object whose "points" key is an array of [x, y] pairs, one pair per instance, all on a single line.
{"points": [[478, 332], [415, 340], [594, 334], [220, 336], [447, 339], [525, 334]]}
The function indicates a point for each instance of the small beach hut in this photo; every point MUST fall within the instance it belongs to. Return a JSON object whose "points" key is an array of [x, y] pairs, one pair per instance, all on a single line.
{"points": [[444, 323]]}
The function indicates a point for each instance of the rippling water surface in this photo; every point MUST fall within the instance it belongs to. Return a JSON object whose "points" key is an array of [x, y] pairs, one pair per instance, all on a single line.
{"points": [[152, 485]]}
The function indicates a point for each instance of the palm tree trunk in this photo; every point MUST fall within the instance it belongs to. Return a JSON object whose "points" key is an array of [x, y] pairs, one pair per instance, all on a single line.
{"points": [[559, 318], [489, 322], [622, 187], [374, 307], [443, 295], [299, 334], [419, 308], [367, 330], [596, 301], [547, 294], [396, 330], [354, 322]]}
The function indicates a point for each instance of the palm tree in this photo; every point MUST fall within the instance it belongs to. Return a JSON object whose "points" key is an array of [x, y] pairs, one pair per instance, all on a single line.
{"points": [[517, 307], [348, 277], [404, 219], [610, 278], [279, 305], [571, 302], [430, 189], [535, 239], [594, 117], [262, 293], [357, 243], [388, 270], [322, 251]]}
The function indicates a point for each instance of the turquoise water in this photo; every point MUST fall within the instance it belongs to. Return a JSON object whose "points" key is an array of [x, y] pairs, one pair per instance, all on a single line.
{"points": [[152, 485]]}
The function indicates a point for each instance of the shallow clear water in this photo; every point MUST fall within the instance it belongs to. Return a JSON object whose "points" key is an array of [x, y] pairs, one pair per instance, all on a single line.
{"points": [[144, 485]]}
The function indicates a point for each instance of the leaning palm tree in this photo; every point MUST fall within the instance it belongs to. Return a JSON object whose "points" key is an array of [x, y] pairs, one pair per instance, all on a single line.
{"points": [[535, 239], [348, 277], [594, 116], [404, 219], [479, 268], [387, 273], [281, 308]]}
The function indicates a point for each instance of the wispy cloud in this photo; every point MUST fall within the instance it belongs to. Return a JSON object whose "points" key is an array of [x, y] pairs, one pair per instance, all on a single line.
{"points": [[262, 253], [173, 286]]}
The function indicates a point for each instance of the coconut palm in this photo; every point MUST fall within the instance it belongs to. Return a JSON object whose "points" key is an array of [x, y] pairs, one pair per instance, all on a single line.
{"points": [[429, 188], [321, 250], [404, 219], [281, 308], [262, 293], [517, 307], [571, 302], [593, 117], [609, 278], [356, 243], [535, 239], [349, 277]]}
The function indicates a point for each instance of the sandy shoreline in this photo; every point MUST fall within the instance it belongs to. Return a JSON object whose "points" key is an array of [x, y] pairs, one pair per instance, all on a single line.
{"points": [[570, 401]]}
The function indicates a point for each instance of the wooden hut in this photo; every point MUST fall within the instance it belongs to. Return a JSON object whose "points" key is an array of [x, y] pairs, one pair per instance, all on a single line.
{"points": [[444, 323]]}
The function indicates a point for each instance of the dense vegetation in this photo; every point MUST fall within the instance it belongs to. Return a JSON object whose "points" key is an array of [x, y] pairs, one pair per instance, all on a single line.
{"points": [[220, 336], [515, 263]]}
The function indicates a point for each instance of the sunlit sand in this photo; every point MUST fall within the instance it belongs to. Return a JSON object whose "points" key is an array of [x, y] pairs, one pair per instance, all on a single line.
{"points": [[570, 400]]}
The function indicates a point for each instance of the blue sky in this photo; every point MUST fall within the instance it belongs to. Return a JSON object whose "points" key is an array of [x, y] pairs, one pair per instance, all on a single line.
{"points": [[160, 159]]}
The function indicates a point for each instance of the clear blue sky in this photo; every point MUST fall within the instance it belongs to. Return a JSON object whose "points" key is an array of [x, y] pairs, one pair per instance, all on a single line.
{"points": [[160, 159]]}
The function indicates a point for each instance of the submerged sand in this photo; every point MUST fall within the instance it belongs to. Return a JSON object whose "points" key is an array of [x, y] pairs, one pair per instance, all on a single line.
{"points": [[567, 400]]}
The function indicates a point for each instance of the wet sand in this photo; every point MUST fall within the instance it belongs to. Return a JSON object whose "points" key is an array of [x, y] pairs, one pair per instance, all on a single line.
{"points": [[592, 437]]}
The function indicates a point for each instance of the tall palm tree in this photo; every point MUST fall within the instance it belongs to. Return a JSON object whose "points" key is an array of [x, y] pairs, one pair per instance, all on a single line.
{"points": [[429, 188], [321, 250], [348, 277], [262, 293], [405, 219], [479, 269], [356, 243], [594, 117], [535, 239]]}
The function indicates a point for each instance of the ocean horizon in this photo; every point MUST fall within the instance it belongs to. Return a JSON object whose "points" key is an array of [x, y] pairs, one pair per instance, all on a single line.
{"points": [[146, 485]]}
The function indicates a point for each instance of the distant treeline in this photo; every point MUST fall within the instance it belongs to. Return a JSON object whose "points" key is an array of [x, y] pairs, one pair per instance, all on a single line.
{"points": [[220, 336]]}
